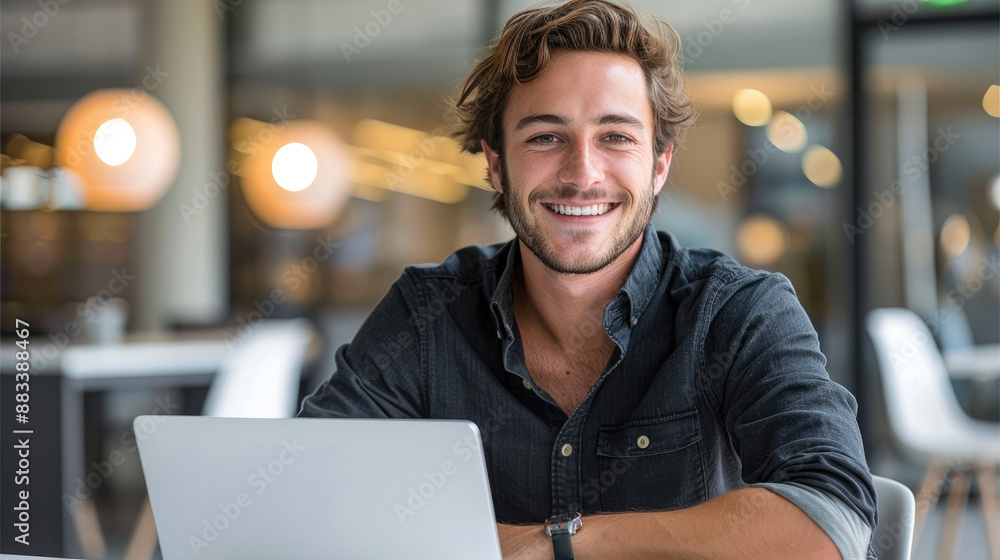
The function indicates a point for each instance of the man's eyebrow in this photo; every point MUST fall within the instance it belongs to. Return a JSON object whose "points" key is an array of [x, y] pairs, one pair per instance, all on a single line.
{"points": [[544, 118], [611, 118], [619, 118]]}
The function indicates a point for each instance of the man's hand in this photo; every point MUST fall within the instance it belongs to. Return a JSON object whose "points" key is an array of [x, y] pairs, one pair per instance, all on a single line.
{"points": [[524, 542]]}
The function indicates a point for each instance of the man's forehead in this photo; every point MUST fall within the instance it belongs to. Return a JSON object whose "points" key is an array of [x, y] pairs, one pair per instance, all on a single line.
{"points": [[582, 86]]}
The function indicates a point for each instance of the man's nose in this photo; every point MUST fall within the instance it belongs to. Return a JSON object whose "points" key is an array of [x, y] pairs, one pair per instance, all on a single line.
{"points": [[581, 166]]}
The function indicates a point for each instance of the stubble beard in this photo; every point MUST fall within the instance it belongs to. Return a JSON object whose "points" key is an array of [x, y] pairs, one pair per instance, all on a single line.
{"points": [[534, 239]]}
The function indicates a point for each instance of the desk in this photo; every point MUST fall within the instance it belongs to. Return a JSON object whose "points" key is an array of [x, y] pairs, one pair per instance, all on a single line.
{"points": [[256, 375]]}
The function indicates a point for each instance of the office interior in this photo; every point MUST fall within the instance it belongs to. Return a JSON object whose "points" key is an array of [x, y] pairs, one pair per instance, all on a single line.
{"points": [[851, 145]]}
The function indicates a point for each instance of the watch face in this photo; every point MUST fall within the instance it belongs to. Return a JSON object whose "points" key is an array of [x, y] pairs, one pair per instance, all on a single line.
{"points": [[562, 518], [563, 523]]}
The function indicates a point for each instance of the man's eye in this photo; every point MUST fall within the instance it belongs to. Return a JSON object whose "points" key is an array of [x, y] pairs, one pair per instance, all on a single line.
{"points": [[544, 139], [619, 139]]}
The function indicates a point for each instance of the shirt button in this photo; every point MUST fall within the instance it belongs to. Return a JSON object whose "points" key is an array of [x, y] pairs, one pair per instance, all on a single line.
{"points": [[526, 384], [499, 335], [642, 442], [567, 450], [634, 320]]}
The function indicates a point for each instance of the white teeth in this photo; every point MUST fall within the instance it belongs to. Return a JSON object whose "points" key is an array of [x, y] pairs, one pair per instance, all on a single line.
{"points": [[592, 210]]}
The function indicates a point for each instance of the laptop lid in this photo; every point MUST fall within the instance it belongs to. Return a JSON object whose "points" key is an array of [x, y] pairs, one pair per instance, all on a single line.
{"points": [[306, 488]]}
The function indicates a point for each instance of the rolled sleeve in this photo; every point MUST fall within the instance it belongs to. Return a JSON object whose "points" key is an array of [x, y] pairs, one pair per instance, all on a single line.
{"points": [[848, 530], [794, 429]]}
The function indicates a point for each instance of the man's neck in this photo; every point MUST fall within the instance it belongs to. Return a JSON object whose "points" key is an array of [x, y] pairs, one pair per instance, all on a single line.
{"points": [[569, 308]]}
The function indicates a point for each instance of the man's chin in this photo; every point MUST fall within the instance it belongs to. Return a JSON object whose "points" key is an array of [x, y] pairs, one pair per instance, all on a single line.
{"points": [[577, 263]]}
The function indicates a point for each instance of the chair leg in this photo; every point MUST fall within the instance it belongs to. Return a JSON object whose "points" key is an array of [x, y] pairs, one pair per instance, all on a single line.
{"points": [[927, 497], [88, 529], [958, 495], [143, 541], [988, 496]]}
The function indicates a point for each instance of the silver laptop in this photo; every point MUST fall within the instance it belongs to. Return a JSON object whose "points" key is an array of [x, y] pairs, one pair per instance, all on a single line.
{"points": [[225, 488]]}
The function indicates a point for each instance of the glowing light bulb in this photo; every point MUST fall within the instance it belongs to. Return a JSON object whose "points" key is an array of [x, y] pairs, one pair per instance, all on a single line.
{"points": [[991, 101], [294, 166], [786, 132], [956, 233], [822, 167], [762, 240], [114, 142], [752, 107]]}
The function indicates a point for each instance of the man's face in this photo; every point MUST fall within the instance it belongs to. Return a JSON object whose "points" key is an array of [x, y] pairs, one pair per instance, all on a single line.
{"points": [[578, 171]]}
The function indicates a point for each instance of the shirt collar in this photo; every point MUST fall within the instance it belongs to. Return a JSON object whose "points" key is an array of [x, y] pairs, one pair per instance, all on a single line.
{"points": [[642, 281], [502, 302]]}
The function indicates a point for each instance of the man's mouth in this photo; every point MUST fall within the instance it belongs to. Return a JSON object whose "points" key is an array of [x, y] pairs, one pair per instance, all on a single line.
{"points": [[592, 210]]}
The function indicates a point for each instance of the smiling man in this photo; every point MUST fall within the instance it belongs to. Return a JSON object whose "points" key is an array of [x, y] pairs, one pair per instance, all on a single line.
{"points": [[679, 395]]}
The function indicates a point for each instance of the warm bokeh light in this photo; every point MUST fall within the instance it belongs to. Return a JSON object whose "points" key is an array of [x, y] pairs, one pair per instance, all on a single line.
{"points": [[955, 235], [114, 142], [123, 147], [762, 240], [282, 162], [752, 107], [787, 132], [991, 101], [822, 167], [294, 166]]}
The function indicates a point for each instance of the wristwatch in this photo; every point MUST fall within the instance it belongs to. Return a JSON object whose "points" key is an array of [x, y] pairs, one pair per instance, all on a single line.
{"points": [[561, 528]]}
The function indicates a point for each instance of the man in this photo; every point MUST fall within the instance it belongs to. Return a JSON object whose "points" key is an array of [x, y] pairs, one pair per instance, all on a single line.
{"points": [[609, 370]]}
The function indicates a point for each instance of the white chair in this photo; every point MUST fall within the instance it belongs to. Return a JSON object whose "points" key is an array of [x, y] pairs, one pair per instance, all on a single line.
{"points": [[893, 536], [926, 419]]}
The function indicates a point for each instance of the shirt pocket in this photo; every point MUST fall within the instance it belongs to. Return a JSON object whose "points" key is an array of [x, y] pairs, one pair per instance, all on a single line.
{"points": [[651, 464]]}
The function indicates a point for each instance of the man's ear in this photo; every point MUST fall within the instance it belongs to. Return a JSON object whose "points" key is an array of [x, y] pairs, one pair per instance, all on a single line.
{"points": [[662, 168], [493, 161]]}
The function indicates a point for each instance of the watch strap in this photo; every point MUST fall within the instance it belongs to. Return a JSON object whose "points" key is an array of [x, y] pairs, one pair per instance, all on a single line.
{"points": [[562, 545]]}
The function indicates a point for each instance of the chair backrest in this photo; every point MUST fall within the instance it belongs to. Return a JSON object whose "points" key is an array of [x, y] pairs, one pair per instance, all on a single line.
{"points": [[893, 536], [920, 402]]}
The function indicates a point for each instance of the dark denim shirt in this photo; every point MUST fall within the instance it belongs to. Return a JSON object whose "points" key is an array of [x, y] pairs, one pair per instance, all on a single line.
{"points": [[717, 382]]}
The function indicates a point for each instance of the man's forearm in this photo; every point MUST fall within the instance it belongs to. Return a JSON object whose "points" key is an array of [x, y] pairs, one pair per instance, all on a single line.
{"points": [[748, 523]]}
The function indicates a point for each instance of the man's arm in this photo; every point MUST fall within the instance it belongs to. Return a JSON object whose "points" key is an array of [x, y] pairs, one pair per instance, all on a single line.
{"points": [[749, 523]]}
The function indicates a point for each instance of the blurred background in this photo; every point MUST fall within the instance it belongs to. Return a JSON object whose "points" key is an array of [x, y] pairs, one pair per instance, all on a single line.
{"points": [[182, 179]]}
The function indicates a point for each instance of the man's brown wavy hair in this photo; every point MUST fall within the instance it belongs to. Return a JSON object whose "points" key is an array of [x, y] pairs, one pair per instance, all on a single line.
{"points": [[525, 45]]}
